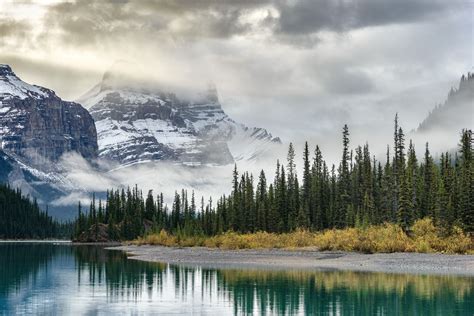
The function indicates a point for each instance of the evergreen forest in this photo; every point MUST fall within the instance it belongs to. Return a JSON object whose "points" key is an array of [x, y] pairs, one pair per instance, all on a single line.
{"points": [[358, 192]]}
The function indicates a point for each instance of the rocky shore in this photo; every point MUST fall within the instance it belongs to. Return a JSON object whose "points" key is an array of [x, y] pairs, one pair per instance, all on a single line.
{"points": [[413, 263]]}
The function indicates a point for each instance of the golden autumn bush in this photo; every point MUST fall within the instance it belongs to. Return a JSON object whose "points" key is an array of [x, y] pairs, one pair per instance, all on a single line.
{"points": [[458, 242], [298, 239], [425, 237], [337, 239], [162, 239], [384, 238]]}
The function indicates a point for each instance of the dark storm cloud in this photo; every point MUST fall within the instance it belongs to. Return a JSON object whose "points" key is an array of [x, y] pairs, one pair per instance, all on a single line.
{"points": [[293, 22], [312, 16]]}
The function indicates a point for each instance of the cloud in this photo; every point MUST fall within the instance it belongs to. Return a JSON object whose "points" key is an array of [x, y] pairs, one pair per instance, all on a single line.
{"points": [[13, 28], [312, 16], [90, 22], [341, 79], [52, 74], [301, 68]]}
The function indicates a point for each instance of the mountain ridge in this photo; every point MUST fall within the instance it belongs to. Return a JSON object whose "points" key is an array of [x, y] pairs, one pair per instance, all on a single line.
{"points": [[36, 124], [139, 122], [456, 112]]}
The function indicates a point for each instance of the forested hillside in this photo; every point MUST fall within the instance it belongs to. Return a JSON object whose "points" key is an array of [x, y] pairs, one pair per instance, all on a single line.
{"points": [[20, 218], [456, 111], [361, 191]]}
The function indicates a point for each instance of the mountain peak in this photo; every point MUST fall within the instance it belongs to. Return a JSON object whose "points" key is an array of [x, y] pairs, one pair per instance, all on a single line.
{"points": [[122, 75], [5, 70], [13, 87], [211, 93], [38, 126], [137, 121], [466, 81]]}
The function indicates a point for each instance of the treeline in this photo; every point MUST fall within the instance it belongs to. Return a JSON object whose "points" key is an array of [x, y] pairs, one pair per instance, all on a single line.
{"points": [[360, 191], [21, 218]]}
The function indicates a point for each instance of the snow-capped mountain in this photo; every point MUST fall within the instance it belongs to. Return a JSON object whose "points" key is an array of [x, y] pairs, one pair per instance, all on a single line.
{"points": [[138, 123], [135, 124], [36, 129], [36, 124]]}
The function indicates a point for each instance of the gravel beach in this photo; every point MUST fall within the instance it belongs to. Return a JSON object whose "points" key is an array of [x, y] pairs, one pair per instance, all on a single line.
{"points": [[413, 263]]}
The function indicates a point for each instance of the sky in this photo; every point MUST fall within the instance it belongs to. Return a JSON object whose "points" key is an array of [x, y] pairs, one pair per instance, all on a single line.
{"points": [[300, 68]]}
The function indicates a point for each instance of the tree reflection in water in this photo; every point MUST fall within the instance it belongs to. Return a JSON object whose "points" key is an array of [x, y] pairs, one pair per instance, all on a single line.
{"points": [[114, 282], [283, 292]]}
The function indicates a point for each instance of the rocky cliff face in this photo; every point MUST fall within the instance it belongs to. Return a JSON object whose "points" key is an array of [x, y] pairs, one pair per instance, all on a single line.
{"points": [[36, 124], [136, 123]]}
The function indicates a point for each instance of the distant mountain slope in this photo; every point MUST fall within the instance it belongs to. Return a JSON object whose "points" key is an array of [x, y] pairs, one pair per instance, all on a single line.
{"points": [[456, 113], [45, 186], [139, 123]]}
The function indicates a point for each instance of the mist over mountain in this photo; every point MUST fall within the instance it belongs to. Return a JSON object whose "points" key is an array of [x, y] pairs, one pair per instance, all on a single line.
{"points": [[455, 112], [293, 129], [138, 121], [444, 123], [36, 129], [51, 150]]}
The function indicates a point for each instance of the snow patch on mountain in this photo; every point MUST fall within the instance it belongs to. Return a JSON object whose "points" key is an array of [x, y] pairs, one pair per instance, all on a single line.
{"points": [[11, 86], [136, 123]]}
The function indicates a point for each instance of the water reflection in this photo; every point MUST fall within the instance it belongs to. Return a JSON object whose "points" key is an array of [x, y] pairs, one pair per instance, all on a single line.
{"points": [[348, 292], [122, 277], [13, 271], [87, 279]]}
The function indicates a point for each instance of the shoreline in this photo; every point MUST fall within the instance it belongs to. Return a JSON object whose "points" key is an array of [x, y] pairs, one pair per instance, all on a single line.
{"points": [[35, 241], [305, 259]]}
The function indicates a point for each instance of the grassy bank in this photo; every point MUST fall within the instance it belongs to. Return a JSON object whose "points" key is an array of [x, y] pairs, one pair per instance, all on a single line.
{"points": [[424, 237]]}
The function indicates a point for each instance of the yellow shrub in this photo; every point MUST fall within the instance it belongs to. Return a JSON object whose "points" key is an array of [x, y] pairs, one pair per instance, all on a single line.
{"points": [[425, 236], [458, 242], [424, 228], [229, 240], [428, 239], [382, 238], [163, 239], [345, 239], [263, 240], [212, 242], [385, 238], [191, 241], [298, 239]]}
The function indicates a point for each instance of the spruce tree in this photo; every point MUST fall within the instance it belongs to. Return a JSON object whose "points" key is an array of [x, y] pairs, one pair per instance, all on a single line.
{"points": [[306, 186], [341, 217], [429, 189], [466, 182]]}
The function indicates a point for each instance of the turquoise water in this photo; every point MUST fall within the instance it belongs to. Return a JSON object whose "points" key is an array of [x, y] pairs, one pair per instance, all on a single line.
{"points": [[48, 279]]}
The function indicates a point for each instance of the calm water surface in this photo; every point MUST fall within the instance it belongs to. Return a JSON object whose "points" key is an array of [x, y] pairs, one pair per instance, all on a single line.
{"points": [[48, 279]]}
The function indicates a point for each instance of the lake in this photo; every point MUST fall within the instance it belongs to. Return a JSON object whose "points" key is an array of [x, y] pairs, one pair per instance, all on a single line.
{"points": [[64, 279]]}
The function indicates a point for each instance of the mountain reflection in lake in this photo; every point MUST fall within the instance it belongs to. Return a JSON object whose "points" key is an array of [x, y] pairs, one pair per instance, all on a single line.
{"points": [[75, 280]]}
